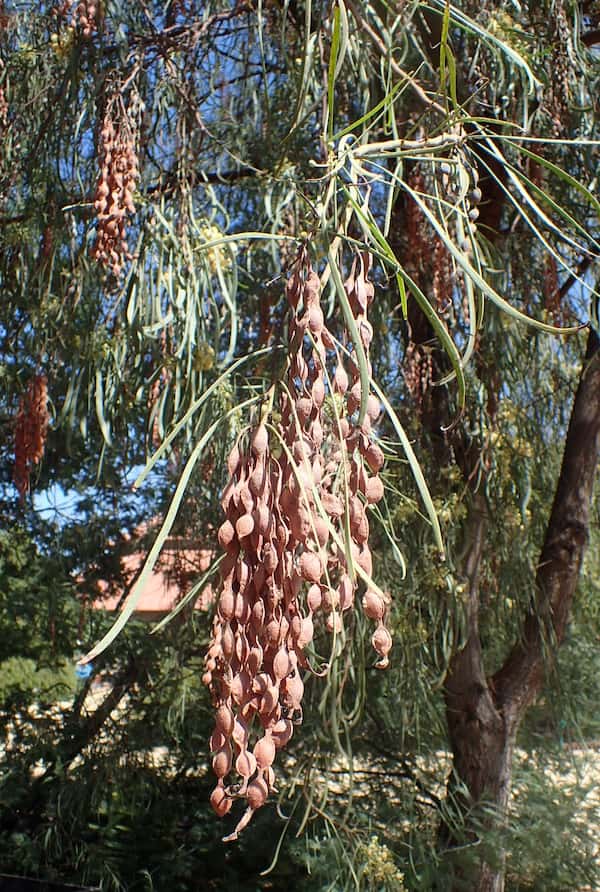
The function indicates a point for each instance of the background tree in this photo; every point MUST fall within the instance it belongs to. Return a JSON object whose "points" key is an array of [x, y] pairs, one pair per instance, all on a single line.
{"points": [[161, 166]]}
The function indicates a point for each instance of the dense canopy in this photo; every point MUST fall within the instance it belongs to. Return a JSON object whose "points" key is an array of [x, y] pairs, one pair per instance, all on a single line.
{"points": [[321, 279]]}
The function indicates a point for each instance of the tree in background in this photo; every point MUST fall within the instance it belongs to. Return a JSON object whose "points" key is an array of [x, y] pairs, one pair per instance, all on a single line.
{"points": [[165, 170]]}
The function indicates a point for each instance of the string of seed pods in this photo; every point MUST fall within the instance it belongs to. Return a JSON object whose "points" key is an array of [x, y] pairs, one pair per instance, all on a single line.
{"points": [[113, 201], [294, 486], [31, 429], [86, 17]]}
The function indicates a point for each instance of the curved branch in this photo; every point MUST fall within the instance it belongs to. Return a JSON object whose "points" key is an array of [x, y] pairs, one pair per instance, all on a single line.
{"points": [[520, 678]]}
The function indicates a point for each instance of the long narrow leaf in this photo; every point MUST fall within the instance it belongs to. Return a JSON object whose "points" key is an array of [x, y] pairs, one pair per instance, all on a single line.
{"points": [[140, 583]]}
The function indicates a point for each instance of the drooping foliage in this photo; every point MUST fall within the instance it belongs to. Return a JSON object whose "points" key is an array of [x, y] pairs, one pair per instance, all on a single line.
{"points": [[165, 169]]}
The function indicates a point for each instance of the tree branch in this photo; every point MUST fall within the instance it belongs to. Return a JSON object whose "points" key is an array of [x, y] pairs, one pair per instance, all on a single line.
{"points": [[520, 678], [592, 38]]}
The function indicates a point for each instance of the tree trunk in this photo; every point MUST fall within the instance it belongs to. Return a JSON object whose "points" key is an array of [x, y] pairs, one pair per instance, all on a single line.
{"points": [[483, 715]]}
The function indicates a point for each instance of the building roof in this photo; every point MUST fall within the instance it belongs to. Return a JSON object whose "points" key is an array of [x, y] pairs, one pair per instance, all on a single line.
{"points": [[179, 566]]}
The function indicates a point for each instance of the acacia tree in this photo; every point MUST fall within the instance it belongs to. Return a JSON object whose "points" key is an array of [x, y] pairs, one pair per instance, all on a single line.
{"points": [[421, 174]]}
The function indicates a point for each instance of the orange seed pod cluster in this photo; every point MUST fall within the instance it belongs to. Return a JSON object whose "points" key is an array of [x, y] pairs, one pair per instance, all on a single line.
{"points": [[31, 429], [113, 201], [286, 562], [86, 17]]}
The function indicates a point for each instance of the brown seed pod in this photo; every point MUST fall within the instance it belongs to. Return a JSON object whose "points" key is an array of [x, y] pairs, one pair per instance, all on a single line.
{"points": [[224, 720], [314, 598], [244, 526], [219, 800], [374, 457], [257, 793], [373, 490], [340, 380], [311, 567], [227, 604], [260, 440], [373, 605], [264, 752], [226, 534], [221, 762], [382, 643]]}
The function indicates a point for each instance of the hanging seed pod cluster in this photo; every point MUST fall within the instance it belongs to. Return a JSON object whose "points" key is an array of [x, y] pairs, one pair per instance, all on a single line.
{"points": [[296, 535], [113, 201], [31, 429], [86, 13]]}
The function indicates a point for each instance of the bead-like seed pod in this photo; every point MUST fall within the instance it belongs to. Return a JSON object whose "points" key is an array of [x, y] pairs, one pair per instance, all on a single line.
{"points": [[282, 665], [260, 440], [373, 605], [315, 319], [226, 534], [373, 407], [264, 752], [311, 567], [245, 764], [278, 542], [314, 598], [224, 720], [373, 490], [227, 604], [219, 801], [227, 642], [221, 762], [340, 380], [257, 793], [382, 643], [318, 393], [304, 407], [244, 525], [374, 457]]}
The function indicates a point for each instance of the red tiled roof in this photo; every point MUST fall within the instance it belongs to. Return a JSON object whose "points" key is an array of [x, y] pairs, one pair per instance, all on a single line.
{"points": [[178, 568]]}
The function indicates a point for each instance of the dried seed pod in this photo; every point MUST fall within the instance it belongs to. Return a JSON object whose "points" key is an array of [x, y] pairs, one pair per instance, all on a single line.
{"points": [[227, 642], [221, 762], [226, 534], [373, 407], [373, 490], [331, 599], [318, 393], [374, 457], [305, 633], [244, 525], [118, 174], [264, 752], [224, 720], [373, 605], [245, 764], [304, 407], [382, 643], [281, 732], [219, 800], [314, 598], [315, 319], [282, 665], [31, 429], [311, 567], [260, 440], [278, 546], [340, 380], [227, 604]]}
